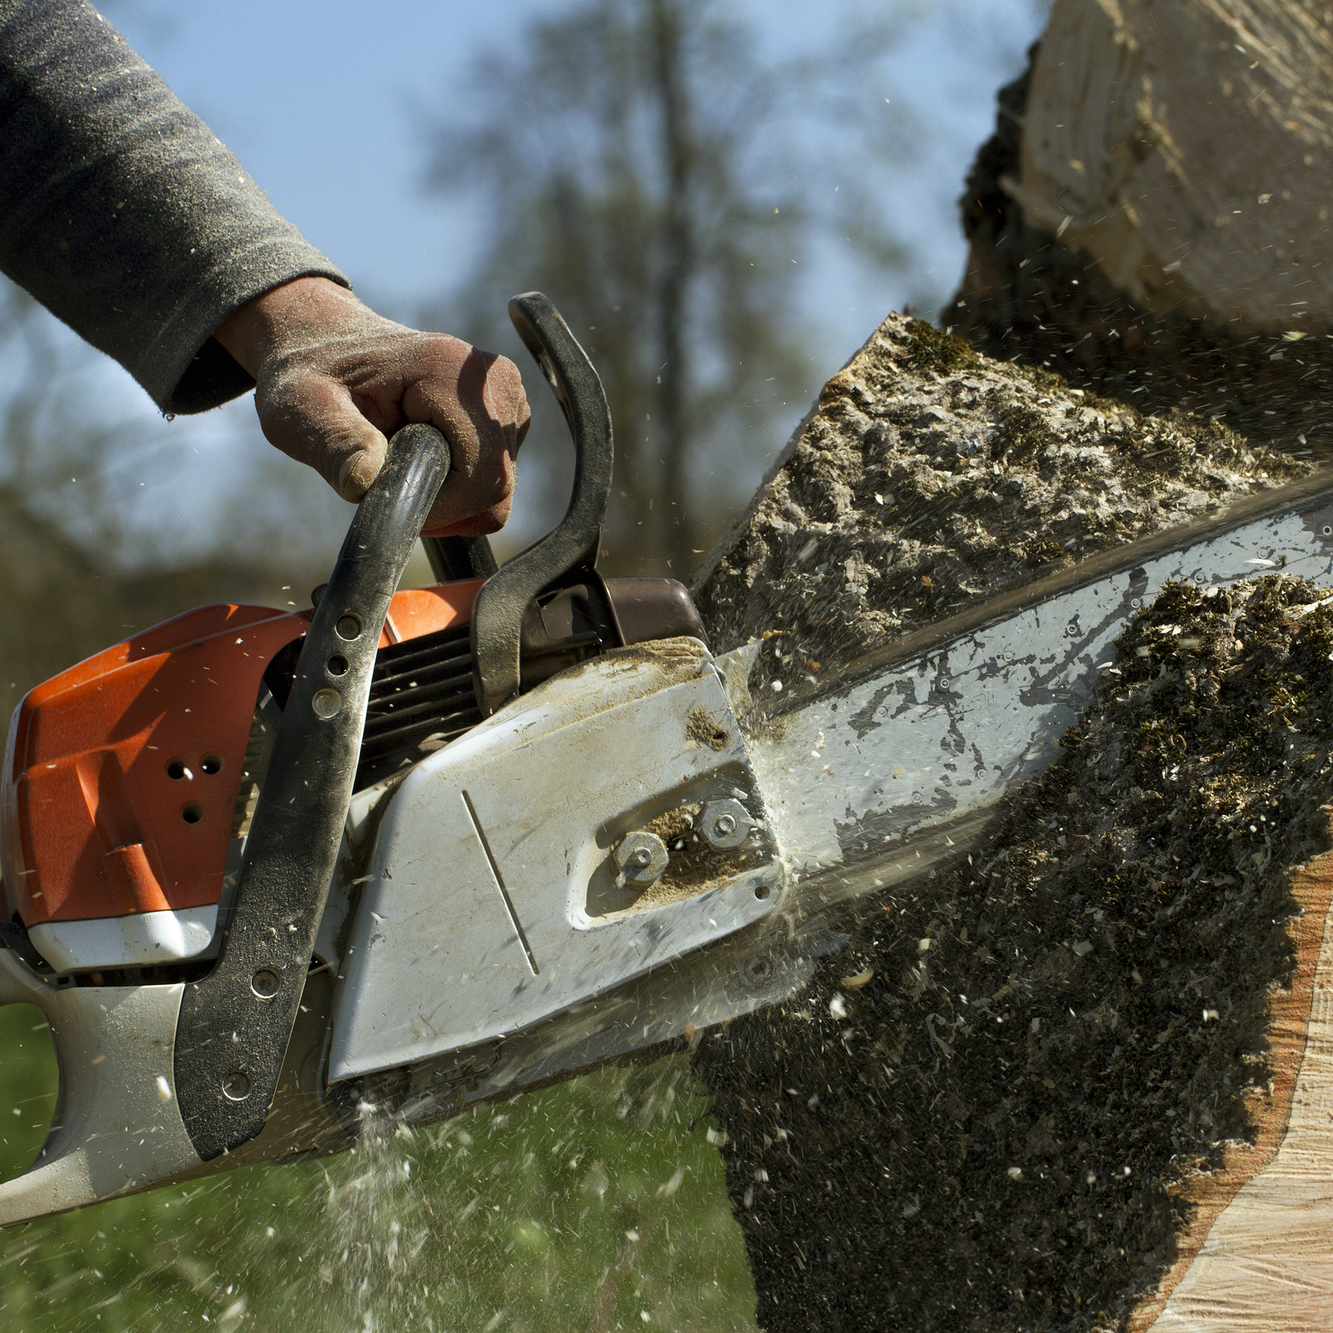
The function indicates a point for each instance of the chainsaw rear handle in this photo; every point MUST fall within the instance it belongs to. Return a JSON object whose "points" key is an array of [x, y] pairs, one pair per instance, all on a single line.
{"points": [[235, 1023], [497, 617]]}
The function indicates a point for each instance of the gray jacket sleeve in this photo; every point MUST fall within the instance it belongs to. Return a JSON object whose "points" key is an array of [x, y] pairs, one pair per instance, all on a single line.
{"points": [[120, 211]]}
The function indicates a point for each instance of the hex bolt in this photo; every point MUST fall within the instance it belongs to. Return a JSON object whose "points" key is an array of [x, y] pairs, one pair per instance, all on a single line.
{"points": [[725, 825], [641, 858]]}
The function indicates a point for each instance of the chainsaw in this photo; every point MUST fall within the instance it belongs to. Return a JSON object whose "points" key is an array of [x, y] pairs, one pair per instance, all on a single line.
{"points": [[275, 879]]}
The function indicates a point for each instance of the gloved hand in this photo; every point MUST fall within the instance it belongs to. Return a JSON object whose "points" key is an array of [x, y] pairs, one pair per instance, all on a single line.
{"points": [[333, 380]]}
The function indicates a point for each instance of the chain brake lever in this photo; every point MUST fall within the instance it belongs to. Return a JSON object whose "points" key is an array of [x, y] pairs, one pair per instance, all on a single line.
{"points": [[497, 617]]}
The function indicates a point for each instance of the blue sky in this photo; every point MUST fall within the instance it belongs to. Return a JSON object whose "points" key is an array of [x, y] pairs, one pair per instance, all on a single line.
{"points": [[320, 102]]}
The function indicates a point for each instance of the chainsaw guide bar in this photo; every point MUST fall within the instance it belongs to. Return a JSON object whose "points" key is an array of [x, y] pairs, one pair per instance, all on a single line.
{"points": [[938, 726], [272, 877]]}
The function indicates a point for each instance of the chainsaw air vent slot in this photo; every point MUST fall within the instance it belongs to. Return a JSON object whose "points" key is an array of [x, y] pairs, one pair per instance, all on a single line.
{"points": [[421, 698]]}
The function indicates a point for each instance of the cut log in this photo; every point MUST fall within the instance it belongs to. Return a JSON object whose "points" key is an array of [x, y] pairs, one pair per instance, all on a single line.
{"points": [[1080, 1083], [1183, 144], [1022, 1092]]}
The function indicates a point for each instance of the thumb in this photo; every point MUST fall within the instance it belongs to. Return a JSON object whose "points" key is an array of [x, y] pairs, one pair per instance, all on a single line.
{"points": [[314, 420], [357, 469]]}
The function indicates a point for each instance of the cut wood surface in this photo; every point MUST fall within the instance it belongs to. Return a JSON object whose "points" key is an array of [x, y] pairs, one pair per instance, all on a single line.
{"points": [[1185, 146], [1151, 217], [1256, 1255]]}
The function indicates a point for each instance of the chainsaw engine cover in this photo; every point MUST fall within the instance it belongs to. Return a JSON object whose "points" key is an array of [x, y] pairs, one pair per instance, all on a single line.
{"points": [[130, 779]]}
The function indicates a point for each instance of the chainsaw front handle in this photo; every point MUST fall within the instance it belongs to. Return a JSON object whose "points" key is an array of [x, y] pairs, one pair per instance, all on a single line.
{"points": [[235, 1023]]}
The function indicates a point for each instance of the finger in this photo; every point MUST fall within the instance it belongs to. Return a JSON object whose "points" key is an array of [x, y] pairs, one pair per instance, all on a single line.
{"points": [[314, 420], [444, 522], [473, 505], [483, 411], [504, 399]]}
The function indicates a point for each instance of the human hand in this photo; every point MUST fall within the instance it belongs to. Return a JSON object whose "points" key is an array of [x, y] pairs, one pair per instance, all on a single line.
{"points": [[333, 380]]}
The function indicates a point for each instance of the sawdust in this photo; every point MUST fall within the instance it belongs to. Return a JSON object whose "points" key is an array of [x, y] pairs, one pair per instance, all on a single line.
{"points": [[703, 727], [997, 1130], [930, 477], [674, 826]]}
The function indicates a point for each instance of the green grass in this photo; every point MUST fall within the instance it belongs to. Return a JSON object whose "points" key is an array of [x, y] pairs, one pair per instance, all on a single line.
{"points": [[583, 1206]]}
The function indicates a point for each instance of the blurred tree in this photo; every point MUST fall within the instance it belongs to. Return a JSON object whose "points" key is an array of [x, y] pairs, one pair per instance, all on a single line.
{"points": [[639, 162]]}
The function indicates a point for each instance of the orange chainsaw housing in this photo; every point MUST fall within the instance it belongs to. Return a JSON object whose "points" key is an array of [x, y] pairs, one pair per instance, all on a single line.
{"points": [[121, 774]]}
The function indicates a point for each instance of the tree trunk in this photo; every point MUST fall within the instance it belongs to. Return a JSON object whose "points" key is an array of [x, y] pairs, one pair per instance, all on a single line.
{"points": [[1150, 219], [1027, 1091], [678, 272]]}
